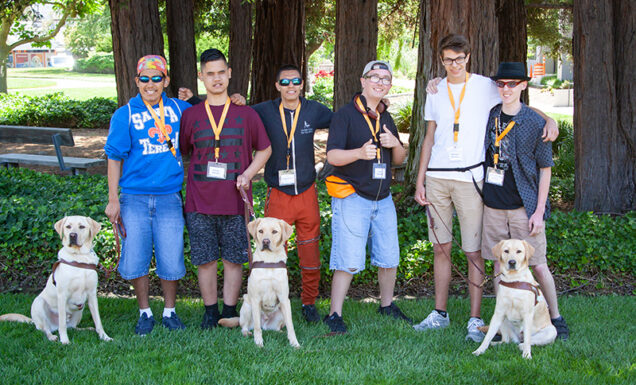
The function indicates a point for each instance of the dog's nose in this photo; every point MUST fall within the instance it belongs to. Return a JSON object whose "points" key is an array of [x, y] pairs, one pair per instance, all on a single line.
{"points": [[512, 263], [266, 242], [72, 237]]}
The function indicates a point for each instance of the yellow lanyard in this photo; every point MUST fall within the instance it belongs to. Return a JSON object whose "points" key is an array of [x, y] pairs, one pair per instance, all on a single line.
{"points": [[217, 130], [457, 110], [377, 126], [499, 137], [161, 124], [290, 135]]}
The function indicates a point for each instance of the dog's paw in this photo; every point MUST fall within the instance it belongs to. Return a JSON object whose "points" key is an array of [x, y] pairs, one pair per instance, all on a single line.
{"points": [[527, 353], [52, 337], [105, 337], [295, 344], [65, 341], [478, 352], [246, 333], [258, 341]]}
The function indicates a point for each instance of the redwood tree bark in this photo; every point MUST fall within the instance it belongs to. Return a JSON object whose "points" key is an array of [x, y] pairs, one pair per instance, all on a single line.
{"points": [[279, 38], [604, 105], [183, 61], [474, 19], [513, 34], [136, 31], [356, 45], [240, 51]]}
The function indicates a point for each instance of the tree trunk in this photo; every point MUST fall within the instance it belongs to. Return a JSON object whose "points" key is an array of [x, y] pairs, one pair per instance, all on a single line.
{"points": [[475, 19], [279, 38], [604, 105], [4, 58], [240, 45], [136, 31], [183, 61], [356, 45], [513, 34]]}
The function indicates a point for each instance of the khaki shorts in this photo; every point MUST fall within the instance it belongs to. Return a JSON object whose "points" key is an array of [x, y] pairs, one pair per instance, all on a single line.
{"points": [[446, 195], [508, 224]]}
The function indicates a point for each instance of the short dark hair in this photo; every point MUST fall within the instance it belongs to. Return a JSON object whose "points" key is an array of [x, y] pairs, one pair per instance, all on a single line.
{"points": [[212, 54], [288, 67], [455, 42]]}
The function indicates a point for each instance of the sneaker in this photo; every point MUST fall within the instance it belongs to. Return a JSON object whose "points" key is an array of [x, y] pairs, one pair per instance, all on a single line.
{"points": [[144, 325], [335, 323], [210, 320], [474, 333], [563, 332], [395, 312], [173, 322], [310, 313], [433, 321]]}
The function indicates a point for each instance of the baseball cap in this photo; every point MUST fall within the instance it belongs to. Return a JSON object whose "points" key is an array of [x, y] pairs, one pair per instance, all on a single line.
{"points": [[377, 65]]}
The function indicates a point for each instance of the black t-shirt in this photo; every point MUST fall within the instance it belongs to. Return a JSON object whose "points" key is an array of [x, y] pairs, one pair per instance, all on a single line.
{"points": [[504, 197], [349, 130]]}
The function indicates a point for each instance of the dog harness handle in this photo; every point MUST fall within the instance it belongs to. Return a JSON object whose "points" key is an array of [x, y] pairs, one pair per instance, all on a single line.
{"points": [[81, 265], [523, 286]]}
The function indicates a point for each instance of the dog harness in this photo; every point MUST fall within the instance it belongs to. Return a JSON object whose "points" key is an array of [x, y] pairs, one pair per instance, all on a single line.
{"points": [[269, 265], [523, 286], [81, 265]]}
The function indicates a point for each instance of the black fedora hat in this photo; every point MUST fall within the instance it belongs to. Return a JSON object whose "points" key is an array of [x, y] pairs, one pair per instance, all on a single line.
{"points": [[511, 70]]}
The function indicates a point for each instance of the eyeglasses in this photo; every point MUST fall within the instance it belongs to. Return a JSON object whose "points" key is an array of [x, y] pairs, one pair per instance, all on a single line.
{"points": [[458, 60], [155, 79], [377, 79], [285, 82], [510, 84]]}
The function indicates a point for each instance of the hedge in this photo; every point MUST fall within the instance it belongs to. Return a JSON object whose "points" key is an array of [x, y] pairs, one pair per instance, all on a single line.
{"points": [[55, 110], [99, 63], [31, 202]]}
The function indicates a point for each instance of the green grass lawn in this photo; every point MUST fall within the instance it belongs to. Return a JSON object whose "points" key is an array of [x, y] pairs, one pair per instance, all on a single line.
{"points": [[56, 73], [13, 83], [377, 350]]}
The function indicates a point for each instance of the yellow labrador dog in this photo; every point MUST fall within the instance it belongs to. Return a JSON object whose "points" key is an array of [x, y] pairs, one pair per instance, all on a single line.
{"points": [[520, 306], [72, 281], [266, 305]]}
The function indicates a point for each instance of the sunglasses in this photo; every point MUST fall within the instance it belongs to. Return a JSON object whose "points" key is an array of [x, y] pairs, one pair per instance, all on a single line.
{"points": [[155, 79], [510, 84], [294, 81]]}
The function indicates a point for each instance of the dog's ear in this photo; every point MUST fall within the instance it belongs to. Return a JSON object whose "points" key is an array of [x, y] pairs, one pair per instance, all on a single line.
{"points": [[94, 227], [496, 250], [286, 230], [529, 250], [252, 226], [59, 227]]}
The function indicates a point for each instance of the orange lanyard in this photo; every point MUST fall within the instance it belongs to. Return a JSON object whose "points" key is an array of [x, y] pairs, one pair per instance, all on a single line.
{"points": [[377, 126], [217, 130], [457, 110], [161, 124], [290, 135], [499, 137]]}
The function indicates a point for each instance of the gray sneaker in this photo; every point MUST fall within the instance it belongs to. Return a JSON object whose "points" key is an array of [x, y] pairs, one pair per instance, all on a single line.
{"points": [[433, 321], [474, 333]]}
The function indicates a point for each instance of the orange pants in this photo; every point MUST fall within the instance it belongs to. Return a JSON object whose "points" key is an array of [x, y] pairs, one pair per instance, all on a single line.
{"points": [[301, 210]]}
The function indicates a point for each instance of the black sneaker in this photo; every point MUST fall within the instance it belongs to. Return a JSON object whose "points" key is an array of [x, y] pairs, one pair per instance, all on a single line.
{"points": [[173, 322], [562, 328], [310, 313], [395, 312], [210, 320], [335, 323], [144, 325]]}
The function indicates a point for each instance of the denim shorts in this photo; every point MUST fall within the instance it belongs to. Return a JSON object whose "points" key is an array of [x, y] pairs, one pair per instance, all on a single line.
{"points": [[356, 222], [152, 221]]}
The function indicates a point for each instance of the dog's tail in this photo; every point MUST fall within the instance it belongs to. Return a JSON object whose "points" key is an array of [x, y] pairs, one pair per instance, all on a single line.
{"points": [[229, 322], [13, 317]]}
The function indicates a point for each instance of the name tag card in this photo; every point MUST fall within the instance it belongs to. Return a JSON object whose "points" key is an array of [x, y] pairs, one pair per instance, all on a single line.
{"points": [[286, 177], [454, 153], [379, 170], [217, 170], [495, 176]]}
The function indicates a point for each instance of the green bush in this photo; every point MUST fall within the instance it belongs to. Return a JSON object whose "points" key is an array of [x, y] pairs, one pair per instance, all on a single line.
{"points": [[99, 63], [322, 91], [31, 203], [55, 110], [403, 118]]}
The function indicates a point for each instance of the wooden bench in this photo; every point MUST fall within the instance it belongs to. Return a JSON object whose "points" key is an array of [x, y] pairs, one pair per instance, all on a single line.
{"points": [[44, 135]]}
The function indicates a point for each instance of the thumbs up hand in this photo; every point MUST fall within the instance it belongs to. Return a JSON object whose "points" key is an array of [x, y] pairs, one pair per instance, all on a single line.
{"points": [[367, 151], [387, 139]]}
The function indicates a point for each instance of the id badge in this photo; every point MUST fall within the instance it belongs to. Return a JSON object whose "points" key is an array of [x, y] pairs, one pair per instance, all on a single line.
{"points": [[495, 176], [286, 177], [217, 170], [454, 153], [379, 170]]}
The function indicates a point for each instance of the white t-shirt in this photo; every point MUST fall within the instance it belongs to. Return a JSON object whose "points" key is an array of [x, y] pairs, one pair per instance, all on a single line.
{"points": [[481, 95]]}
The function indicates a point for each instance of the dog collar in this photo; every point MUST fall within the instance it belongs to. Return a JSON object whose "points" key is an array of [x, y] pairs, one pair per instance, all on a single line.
{"points": [[269, 265]]}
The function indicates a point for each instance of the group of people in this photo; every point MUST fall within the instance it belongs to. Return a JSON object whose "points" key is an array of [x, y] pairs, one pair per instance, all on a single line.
{"points": [[471, 119]]}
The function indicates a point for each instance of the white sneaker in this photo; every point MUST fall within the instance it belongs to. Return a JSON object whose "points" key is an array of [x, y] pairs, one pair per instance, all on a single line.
{"points": [[474, 333], [433, 321]]}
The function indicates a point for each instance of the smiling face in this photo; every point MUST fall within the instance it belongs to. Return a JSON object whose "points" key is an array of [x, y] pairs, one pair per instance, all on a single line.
{"points": [[151, 92], [215, 76], [371, 89], [454, 70], [513, 255], [511, 96], [289, 93]]}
